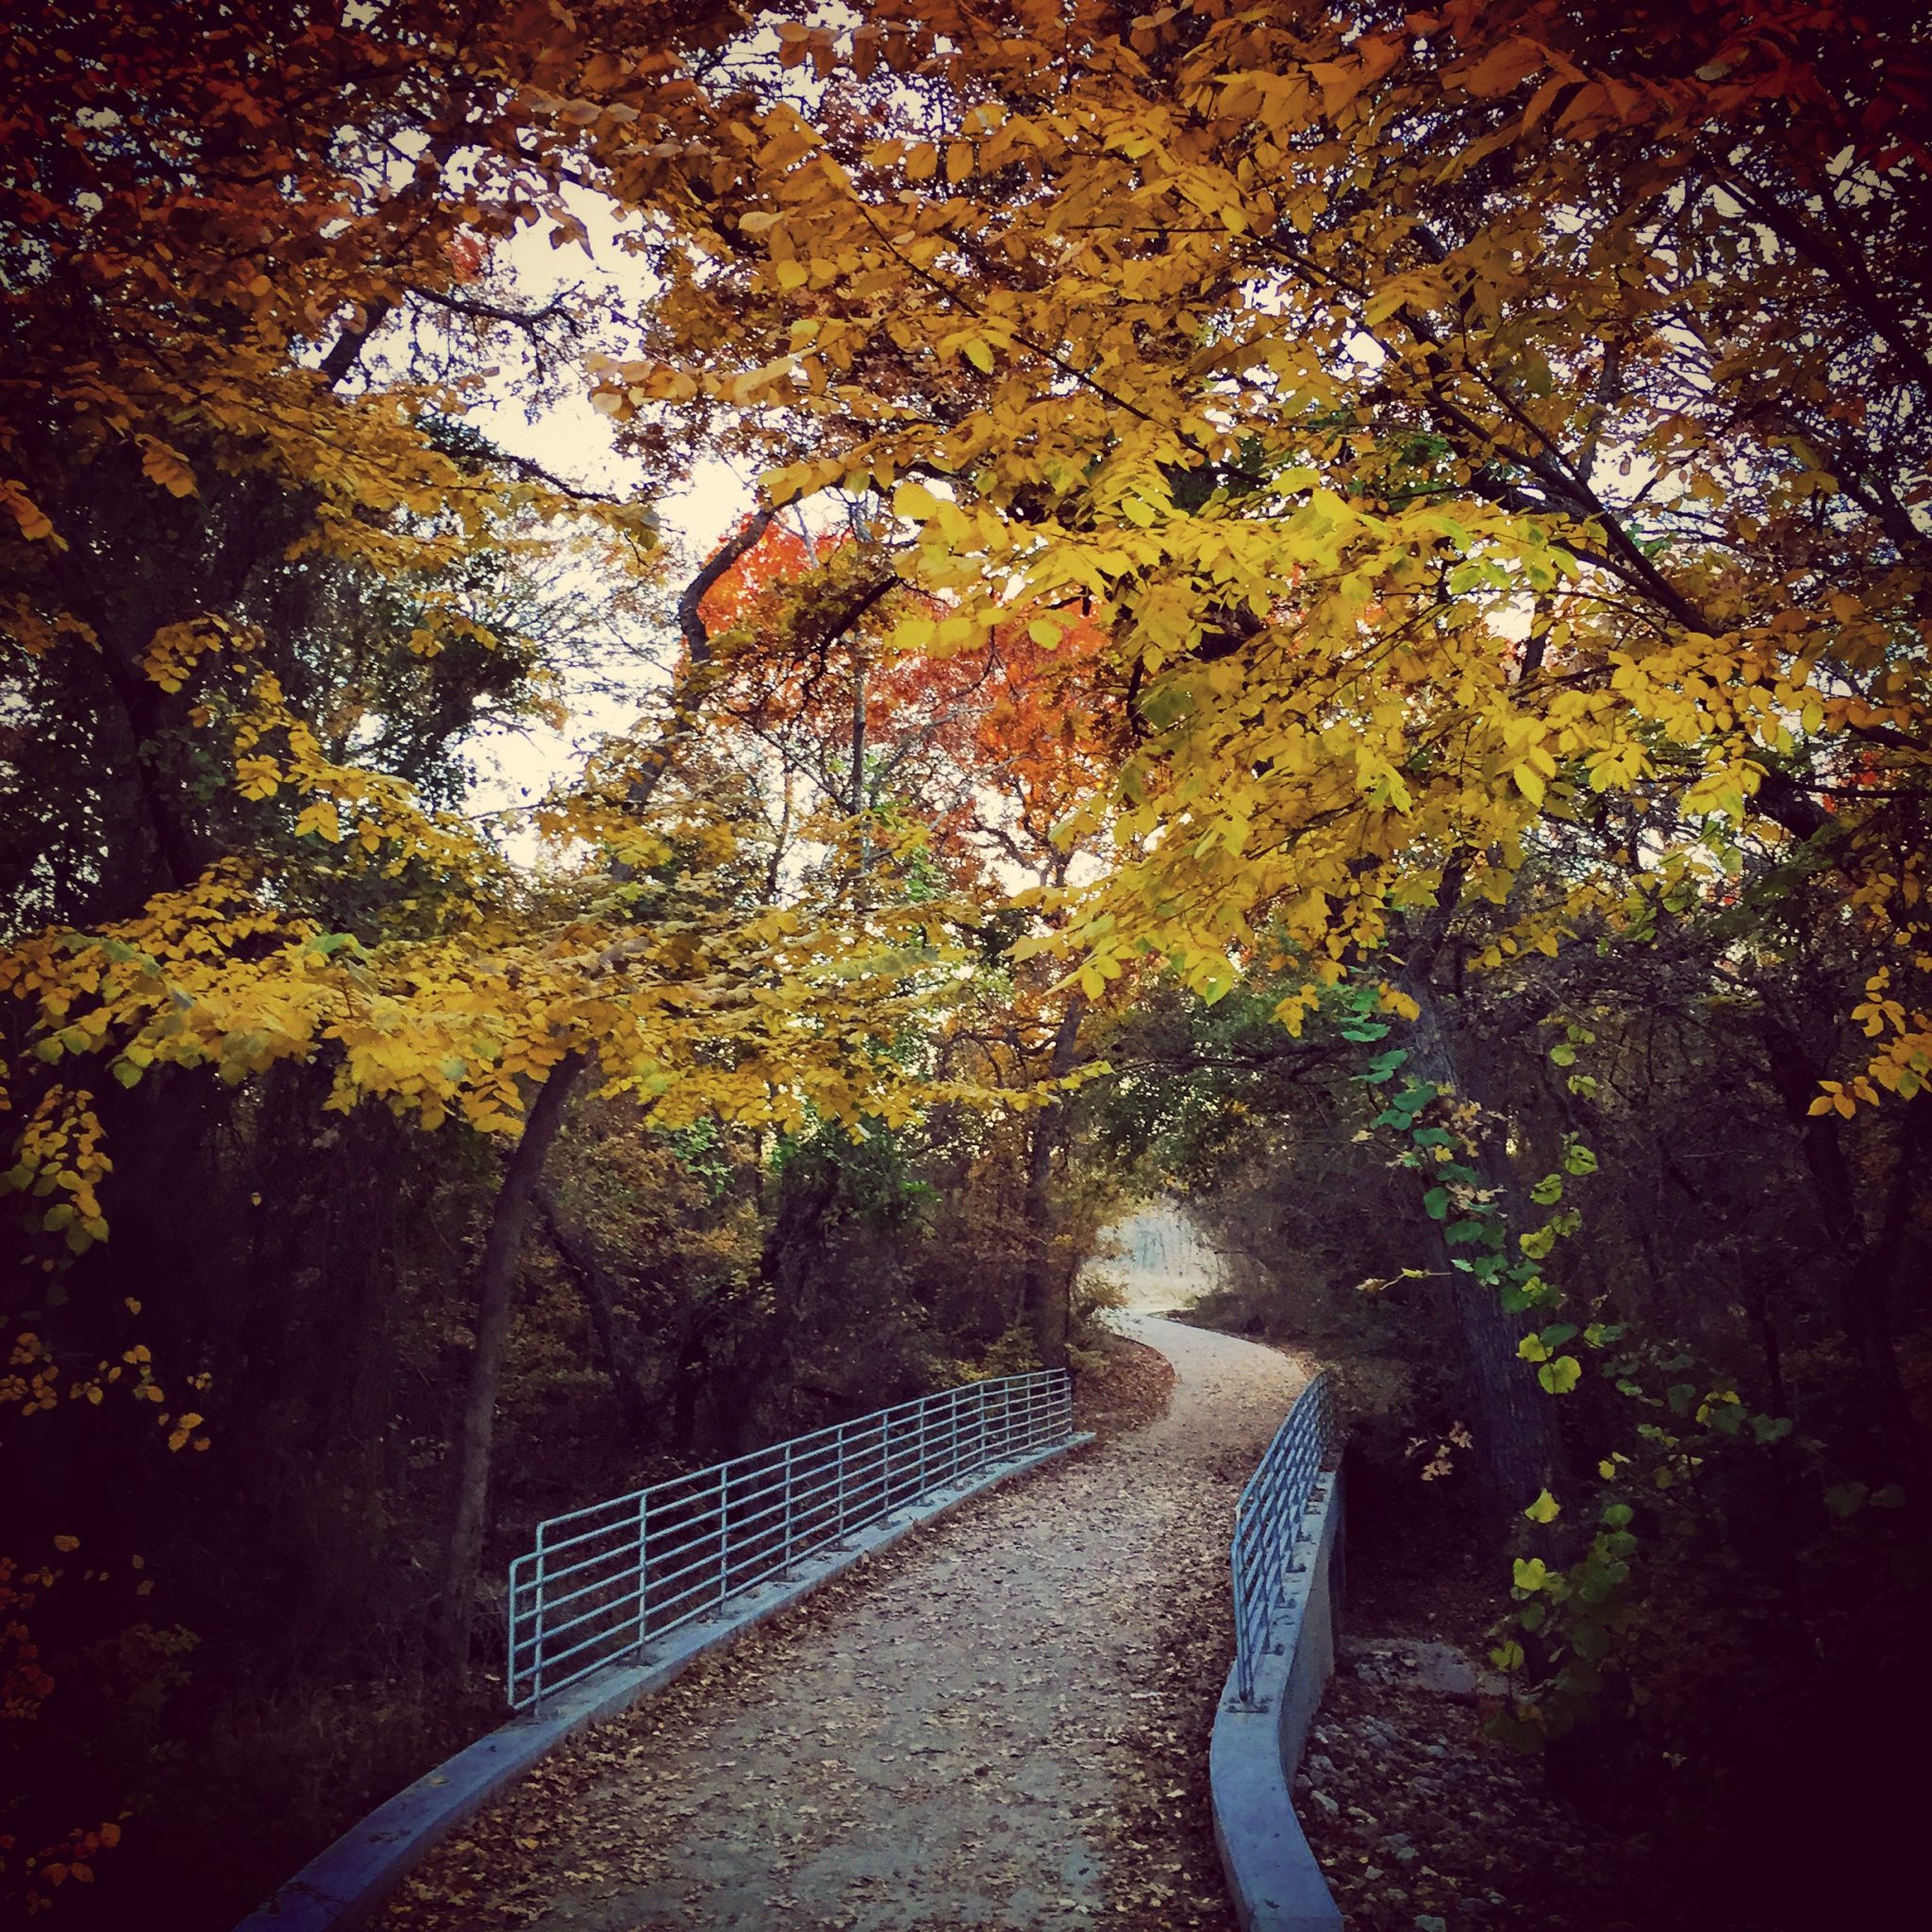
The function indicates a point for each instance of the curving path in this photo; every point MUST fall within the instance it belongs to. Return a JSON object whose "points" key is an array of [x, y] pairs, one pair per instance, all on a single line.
{"points": [[1001, 1724]]}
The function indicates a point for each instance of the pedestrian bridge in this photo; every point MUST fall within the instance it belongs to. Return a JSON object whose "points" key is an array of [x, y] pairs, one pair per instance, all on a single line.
{"points": [[1003, 1723]]}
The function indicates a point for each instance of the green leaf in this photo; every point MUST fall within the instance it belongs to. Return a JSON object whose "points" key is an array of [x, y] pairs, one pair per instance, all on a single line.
{"points": [[1527, 1290], [1560, 1375], [1518, 1733], [1544, 1509], [1548, 1190], [1436, 1203], [1531, 1573]]}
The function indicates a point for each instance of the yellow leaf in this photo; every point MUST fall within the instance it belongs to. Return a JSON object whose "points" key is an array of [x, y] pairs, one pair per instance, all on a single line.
{"points": [[1544, 1509], [1340, 82], [319, 818], [256, 777], [1501, 68], [167, 467], [34, 522]]}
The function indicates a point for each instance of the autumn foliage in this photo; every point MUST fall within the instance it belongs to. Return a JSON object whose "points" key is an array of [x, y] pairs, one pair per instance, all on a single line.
{"points": [[1286, 544]]}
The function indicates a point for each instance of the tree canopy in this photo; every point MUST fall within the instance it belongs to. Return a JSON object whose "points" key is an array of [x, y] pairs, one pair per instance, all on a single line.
{"points": [[1310, 574]]}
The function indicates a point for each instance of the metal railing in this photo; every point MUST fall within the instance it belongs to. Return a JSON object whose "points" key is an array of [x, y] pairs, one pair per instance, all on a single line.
{"points": [[1268, 1521], [605, 1580]]}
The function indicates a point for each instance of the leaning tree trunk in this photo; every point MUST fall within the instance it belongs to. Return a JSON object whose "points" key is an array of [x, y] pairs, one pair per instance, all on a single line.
{"points": [[497, 1287]]}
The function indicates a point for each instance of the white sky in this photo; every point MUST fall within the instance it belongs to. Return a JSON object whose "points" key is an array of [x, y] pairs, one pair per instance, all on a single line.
{"points": [[576, 442]]}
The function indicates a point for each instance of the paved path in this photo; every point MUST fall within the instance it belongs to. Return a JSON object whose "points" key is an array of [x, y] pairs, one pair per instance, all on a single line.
{"points": [[999, 1725]]}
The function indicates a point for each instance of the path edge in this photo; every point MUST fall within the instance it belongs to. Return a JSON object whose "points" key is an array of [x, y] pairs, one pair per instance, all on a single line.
{"points": [[340, 1888], [1273, 1877]]}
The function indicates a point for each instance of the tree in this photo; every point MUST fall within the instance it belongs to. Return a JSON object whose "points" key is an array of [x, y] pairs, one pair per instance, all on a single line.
{"points": [[260, 581], [995, 760], [1393, 391]]}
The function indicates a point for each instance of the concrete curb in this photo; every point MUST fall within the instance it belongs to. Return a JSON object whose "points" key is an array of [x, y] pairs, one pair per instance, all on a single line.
{"points": [[1272, 1874], [343, 1888]]}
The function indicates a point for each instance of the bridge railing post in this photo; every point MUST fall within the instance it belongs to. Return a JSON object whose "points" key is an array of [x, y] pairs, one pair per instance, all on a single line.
{"points": [[643, 1567], [542, 1618], [789, 1503]]}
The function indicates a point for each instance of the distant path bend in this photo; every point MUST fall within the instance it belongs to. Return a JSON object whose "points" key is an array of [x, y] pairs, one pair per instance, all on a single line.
{"points": [[1004, 1726]]}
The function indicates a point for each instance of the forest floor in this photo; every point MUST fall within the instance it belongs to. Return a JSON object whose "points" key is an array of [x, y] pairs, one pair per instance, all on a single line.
{"points": [[1000, 1723]]}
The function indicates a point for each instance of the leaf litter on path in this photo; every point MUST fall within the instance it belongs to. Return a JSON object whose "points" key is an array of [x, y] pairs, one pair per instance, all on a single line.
{"points": [[1001, 1722]]}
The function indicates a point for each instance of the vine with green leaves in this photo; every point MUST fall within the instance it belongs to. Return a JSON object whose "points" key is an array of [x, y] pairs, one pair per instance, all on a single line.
{"points": [[1559, 1643]]}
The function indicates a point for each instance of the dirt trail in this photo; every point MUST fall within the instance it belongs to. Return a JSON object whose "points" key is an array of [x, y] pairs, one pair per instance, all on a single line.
{"points": [[1002, 1725]]}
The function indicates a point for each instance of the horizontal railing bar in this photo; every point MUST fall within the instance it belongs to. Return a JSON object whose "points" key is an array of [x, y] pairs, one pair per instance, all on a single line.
{"points": [[589, 1643], [671, 1576], [595, 1610], [556, 1600], [626, 1552]]}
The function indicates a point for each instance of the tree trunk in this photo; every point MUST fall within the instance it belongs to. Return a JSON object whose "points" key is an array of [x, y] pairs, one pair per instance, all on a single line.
{"points": [[1863, 1267], [1047, 1314], [580, 1256], [1516, 1433], [495, 1291]]}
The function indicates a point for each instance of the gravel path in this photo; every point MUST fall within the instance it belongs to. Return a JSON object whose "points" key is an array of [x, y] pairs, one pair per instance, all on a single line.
{"points": [[1001, 1724]]}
